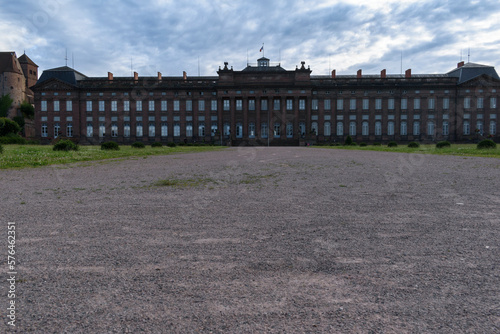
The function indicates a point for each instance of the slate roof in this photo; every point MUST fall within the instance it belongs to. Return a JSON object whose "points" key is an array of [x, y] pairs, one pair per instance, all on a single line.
{"points": [[65, 74], [8, 63], [263, 69], [470, 71], [24, 59]]}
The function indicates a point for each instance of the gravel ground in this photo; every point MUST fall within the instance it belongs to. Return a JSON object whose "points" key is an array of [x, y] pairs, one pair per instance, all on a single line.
{"points": [[254, 240]]}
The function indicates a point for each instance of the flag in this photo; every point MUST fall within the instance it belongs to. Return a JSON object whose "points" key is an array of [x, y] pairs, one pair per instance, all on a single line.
{"points": [[262, 48]]}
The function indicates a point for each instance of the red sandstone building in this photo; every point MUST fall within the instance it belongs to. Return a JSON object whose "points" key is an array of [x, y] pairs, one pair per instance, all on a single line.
{"points": [[265, 104]]}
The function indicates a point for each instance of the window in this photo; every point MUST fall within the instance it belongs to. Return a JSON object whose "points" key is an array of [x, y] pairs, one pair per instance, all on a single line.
{"points": [[138, 105], [90, 130], [151, 105], [226, 104], [44, 105], [314, 104], [446, 103], [493, 102], [263, 104], [480, 102], [189, 105], [302, 104], [466, 128], [239, 130], [352, 128], [416, 128], [226, 129], [201, 129], [466, 102], [390, 128], [101, 106], [163, 105], [390, 104], [214, 105], [177, 130], [327, 129], [56, 105], [251, 130], [365, 129], [277, 130], [416, 103], [340, 129], [114, 105], [430, 128], [366, 104], [431, 103], [239, 104], [69, 130], [201, 105], [352, 104], [479, 127], [327, 104], [164, 129], [289, 130], [263, 130], [404, 129], [446, 128], [276, 104], [102, 130], [289, 104], [126, 105], [340, 104], [302, 128], [493, 128], [378, 104], [177, 105], [404, 103], [189, 129], [126, 129], [89, 105], [213, 129], [57, 130], [251, 104], [138, 129], [44, 130], [378, 128], [114, 130]]}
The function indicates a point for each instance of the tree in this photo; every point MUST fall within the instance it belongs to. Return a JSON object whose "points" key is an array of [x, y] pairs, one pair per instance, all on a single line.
{"points": [[5, 104], [8, 126], [27, 110]]}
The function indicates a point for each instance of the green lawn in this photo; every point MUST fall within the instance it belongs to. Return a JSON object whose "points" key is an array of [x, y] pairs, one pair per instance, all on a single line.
{"points": [[21, 156], [455, 149]]}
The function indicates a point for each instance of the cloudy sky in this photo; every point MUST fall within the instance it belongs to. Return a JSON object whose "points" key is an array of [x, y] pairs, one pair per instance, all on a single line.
{"points": [[171, 36]]}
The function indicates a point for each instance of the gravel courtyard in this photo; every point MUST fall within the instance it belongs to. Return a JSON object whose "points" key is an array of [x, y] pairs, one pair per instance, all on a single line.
{"points": [[256, 240]]}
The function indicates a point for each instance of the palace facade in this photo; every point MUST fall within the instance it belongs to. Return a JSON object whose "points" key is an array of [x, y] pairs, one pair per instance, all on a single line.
{"points": [[265, 104]]}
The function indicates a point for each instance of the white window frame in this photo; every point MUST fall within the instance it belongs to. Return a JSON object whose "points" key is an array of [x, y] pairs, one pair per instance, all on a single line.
{"points": [[89, 105], [139, 131], [164, 129], [340, 104], [151, 105], [56, 105], [102, 106], [365, 128], [43, 105], [126, 105], [378, 128], [138, 105], [164, 105], [45, 130], [403, 128]]}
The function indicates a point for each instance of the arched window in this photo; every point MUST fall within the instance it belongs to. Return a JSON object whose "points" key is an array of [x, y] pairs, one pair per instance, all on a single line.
{"points": [[114, 130], [327, 129], [390, 128], [416, 128], [138, 129], [126, 129], [239, 130], [404, 128], [289, 130], [466, 128], [152, 130], [365, 129], [164, 129], [90, 130], [251, 130], [493, 128], [446, 128], [352, 128], [314, 128], [189, 129], [430, 128], [340, 129], [201, 129], [378, 128]]}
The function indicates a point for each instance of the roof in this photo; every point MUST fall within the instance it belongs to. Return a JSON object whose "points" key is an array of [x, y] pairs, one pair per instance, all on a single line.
{"points": [[470, 71], [263, 69], [24, 59], [9, 63], [65, 74]]}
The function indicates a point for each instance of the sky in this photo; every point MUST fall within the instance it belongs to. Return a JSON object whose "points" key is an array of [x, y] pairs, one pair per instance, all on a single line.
{"points": [[198, 36]]}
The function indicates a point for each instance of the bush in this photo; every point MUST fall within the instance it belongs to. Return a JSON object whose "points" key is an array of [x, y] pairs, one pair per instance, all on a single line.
{"points": [[377, 144], [413, 144], [1, 149], [110, 145], [348, 141], [65, 145], [486, 143], [12, 138], [138, 144], [392, 143], [443, 144], [172, 144], [8, 126], [362, 144], [27, 110], [156, 144]]}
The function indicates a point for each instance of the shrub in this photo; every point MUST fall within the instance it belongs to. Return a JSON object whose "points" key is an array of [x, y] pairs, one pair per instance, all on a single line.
{"points": [[1, 149], [138, 144], [486, 143], [156, 144], [8, 126], [392, 143], [348, 141], [443, 144], [377, 144], [65, 145], [172, 144], [362, 144], [12, 138], [27, 110], [110, 145], [413, 144]]}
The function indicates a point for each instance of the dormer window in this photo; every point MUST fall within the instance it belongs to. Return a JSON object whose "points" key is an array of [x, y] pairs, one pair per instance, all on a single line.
{"points": [[263, 62]]}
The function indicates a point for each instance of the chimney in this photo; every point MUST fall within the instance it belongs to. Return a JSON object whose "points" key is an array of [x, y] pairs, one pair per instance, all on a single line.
{"points": [[460, 64], [408, 73], [110, 76], [184, 75], [136, 76], [383, 74], [159, 76], [334, 74], [359, 75]]}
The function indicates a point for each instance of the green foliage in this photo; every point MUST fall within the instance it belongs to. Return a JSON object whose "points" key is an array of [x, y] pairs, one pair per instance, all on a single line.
{"points": [[12, 138], [486, 143], [8, 126], [362, 144], [5, 103], [110, 145], [413, 144], [348, 141], [1, 149], [377, 144], [392, 143], [20, 121], [443, 144], [138, 144], [172, 144], [156, 144], [27, 110], [65, 145]]}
